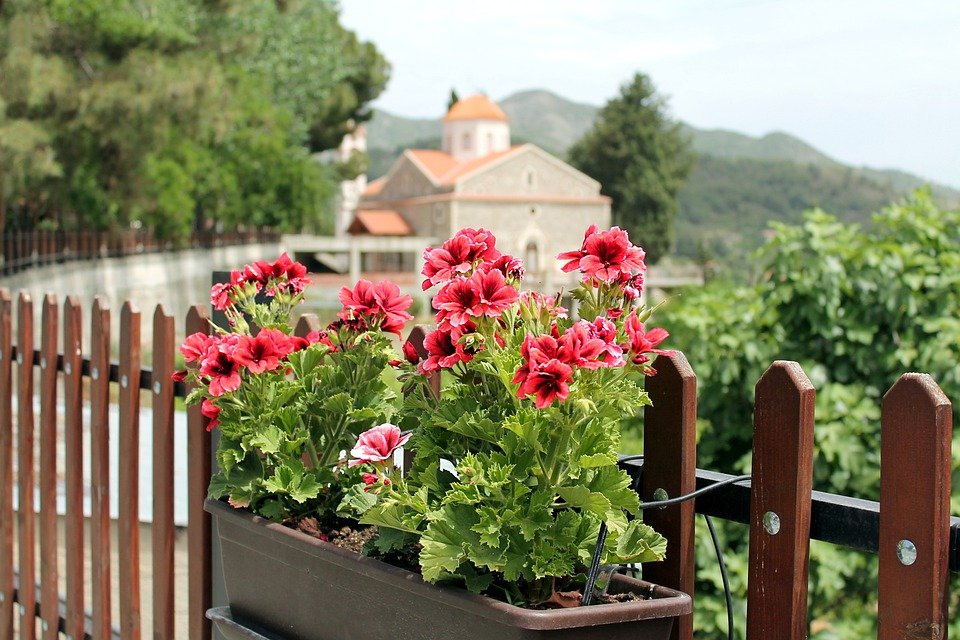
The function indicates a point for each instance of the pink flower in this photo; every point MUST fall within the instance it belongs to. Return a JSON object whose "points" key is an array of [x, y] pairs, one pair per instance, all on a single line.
{"points": [[444, 349], [370, 478], [458, 256], [606, 256], [577, 346], [534, 350], [377, 444], [456, 302], [212, 411], [510, 267], [223, 370], [495, 295], [392, 306], [196, 346], [549, 381], [220, 296], [263, 352], [379, 302], [604, 330], [642, 342]]}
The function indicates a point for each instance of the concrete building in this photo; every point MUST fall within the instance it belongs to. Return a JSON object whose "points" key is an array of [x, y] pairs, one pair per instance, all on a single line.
{"points": [[536, 204]]}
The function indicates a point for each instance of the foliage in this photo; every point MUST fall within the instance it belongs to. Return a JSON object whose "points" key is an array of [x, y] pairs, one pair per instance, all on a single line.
{"points": [[857, 307], [176, 114], [288, 406], [516, 460], [641, 158]]}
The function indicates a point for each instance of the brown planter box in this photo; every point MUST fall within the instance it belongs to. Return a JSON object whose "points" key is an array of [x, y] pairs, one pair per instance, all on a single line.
{"points": [[301, 588]]}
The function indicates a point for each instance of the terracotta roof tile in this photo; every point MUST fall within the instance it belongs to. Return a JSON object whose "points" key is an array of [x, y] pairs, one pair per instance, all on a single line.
{"points": [[463, 168], [436, 162], [475, 107], [379, 222]]}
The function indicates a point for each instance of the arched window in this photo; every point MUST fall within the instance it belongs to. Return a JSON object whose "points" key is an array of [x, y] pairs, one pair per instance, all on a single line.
{"points": [[466, 141], [489, 142], [531, 257]]}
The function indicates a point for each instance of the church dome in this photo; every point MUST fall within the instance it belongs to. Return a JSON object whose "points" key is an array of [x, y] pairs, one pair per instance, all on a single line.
{"points": [[475, 107]]}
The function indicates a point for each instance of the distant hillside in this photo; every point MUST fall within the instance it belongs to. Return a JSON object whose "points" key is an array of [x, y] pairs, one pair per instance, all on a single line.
{"points": [[739, 184]]}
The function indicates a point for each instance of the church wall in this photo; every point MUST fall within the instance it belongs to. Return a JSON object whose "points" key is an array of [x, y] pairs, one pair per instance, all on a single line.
{"points": [[530, 173], [549, 227], [405, 181], [485, 136]]}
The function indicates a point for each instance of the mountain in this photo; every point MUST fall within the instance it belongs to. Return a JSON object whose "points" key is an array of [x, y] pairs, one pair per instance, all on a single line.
{"points": [[739, 184]]}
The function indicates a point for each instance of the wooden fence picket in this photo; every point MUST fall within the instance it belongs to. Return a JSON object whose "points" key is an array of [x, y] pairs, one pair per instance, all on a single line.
{"points": [[100, 580], [781, 489], [164, 345], [75, 618], [26, 524], [915, 468], [198, 478], [128, 486], [670, 464], [6, 466], [49, 587], [306, 323]]}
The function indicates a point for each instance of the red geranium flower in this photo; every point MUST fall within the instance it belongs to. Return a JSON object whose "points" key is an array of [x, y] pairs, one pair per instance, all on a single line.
{"points": [[455, 302], [210, 410], [605, 256], [458, 256], [223, 370], [263, 352], [494, 294], [196, 346], [534, 350], [642, 342], [603, 329], [578, 347], [444, 349], [549, 381], [410, 353], [380, 302]]}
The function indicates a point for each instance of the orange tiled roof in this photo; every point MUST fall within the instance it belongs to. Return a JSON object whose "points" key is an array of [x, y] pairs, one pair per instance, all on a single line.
{"points": [[476, 107], [379, 222], [445, 169], [437, 163]]}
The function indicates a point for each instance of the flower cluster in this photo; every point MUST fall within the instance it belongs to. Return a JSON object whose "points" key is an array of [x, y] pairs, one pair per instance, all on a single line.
{"points": [[288, 405], [526, 422]]}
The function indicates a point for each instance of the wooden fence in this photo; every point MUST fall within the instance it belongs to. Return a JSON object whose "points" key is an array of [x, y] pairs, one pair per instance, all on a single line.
{"points": [[28, 249], [914, 535]]}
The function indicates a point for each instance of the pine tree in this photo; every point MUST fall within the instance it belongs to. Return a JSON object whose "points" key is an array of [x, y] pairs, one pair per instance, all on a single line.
{"points": [[641, 158]]}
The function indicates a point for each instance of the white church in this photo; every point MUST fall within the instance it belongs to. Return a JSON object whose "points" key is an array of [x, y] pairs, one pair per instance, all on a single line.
{"points": [[536, 204]]}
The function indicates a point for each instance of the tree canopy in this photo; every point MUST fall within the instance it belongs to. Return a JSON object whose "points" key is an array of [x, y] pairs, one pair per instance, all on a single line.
{"points": [[177, 114], [856, 307], [641, 158]]}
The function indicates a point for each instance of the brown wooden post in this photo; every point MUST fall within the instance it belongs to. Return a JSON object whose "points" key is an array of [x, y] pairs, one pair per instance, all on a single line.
{"points": [[100, 579], [198, 479], [49, 587], [74, 621], [781, 489], [308, 322], [417, 336], [6, 466], [163, 528], [915, 466], [670, 463], [128, 487], [26, 523]]}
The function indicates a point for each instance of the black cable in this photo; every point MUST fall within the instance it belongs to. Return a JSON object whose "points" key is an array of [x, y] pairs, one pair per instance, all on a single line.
{"points": [[659, 504], [594, 571], [723, 575]]}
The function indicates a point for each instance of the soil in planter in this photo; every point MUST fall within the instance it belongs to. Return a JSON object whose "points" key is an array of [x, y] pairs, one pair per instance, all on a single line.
{"points": [[344, 536]]}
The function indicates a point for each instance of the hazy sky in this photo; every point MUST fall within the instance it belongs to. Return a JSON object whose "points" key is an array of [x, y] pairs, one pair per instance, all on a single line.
{"points": [[868, 82]]}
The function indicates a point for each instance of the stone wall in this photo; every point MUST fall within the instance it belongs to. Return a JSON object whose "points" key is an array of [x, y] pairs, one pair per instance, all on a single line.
{"points": [[176, 279]]}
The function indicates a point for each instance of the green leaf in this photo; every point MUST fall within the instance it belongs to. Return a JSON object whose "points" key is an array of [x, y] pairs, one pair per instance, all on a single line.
{"points": [[582, 498], [639, 543], [356, 501], [268, 440], [442, 551]]}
